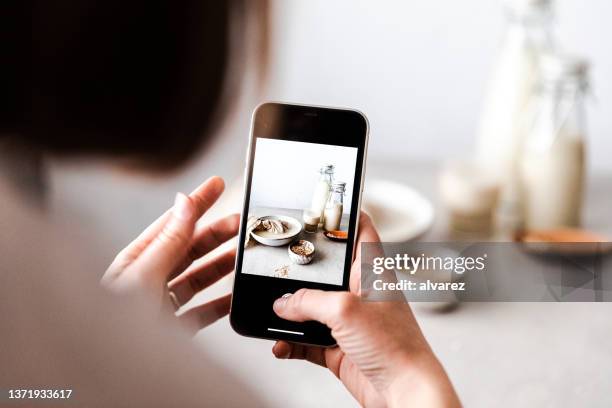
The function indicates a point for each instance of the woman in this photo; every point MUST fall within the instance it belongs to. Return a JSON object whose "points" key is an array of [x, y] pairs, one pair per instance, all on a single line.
{"points": [[140, 83]]}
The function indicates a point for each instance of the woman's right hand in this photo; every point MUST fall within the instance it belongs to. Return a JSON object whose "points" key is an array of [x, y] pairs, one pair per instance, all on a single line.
{"points": [[382, 356]]}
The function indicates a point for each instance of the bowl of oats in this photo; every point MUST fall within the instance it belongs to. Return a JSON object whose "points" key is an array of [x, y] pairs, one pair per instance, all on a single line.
{"points": [[301, 252], [274, 230]]}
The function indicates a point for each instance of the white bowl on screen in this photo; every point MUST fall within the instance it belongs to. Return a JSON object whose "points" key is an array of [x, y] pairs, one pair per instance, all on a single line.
{"points": [[271, 239], [399, 212]]}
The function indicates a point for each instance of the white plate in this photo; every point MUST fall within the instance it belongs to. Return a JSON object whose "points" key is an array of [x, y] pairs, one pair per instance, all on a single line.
{"points": [[271, 239], [399, 212]]}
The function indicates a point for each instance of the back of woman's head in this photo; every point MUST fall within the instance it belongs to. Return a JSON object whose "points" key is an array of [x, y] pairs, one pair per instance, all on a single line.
{"points": [[142, 80]]}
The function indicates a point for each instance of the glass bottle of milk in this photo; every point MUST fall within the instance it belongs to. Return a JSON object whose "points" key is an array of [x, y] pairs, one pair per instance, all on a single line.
{"points": [[552, 165], [334, 207], [321, 191], [527, 35]]}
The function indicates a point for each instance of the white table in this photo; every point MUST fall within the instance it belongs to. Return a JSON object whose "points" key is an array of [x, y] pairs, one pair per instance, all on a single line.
{"points": [[497, 354], [519, 354]]}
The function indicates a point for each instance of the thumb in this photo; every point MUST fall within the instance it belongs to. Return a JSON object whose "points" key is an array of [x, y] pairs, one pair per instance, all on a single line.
{"points": [[169, 246], [328, 308]]}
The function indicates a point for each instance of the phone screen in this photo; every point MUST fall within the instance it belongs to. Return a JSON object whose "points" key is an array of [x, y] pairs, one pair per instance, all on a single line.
{"points": [[303, 183], [300, 204]]}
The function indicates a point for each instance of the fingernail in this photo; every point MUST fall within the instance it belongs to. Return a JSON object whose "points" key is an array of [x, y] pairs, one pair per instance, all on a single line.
{"points": [[219, 184], [182, 207], [280, 302], [174, 300]]}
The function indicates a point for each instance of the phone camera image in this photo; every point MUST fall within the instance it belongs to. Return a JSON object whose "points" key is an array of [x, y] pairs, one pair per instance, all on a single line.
{"points": [[299, 210]]}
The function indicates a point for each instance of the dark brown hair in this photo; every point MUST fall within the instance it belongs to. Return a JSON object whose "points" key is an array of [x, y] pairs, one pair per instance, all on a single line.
{"points": [[141, 80]]}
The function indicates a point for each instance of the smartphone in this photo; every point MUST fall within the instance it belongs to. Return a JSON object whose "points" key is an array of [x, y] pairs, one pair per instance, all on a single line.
{"points": [[303, 181]]}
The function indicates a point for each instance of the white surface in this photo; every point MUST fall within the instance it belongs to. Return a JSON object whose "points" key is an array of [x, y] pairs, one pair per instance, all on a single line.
{"points": [[399, 212], [285, 173], [417, 69], [497, 354]]}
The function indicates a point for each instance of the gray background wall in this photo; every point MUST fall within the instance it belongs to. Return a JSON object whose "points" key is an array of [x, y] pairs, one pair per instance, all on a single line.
{"points": [[418, 68]]}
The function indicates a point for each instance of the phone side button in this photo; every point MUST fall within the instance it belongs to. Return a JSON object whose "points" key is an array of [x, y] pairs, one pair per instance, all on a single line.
{"points": [[285, 331]]}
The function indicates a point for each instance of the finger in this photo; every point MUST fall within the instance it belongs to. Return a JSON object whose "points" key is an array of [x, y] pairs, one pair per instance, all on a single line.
{"points": [[201, 316], [192, 281], [355, 381], [282, 349], [170, 245], [286, 350], [367, 234], [309, 353], [208, 238], [207, 194], [332, 358], [328, 308], [128, 254], [204, 196], [213, 235]]}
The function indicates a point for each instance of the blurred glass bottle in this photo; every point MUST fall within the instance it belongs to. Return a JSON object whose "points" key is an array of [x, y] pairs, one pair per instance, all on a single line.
{"points": [[527, 36], [552, 163]]}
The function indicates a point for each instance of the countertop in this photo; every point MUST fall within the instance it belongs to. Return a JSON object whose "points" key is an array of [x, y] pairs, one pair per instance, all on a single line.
{"points": [[519, 354], [496, 354]]}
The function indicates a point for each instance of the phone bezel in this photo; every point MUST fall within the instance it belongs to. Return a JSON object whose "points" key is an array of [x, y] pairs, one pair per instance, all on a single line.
{"points": [[304, 123]]}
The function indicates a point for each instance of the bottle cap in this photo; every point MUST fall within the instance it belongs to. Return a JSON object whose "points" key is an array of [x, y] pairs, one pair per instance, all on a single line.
{"points": [[338, 185], [526, 7], [328, 168]]}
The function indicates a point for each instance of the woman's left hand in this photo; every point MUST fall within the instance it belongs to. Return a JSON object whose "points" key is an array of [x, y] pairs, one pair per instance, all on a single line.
{"points": [[159, 260]]}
